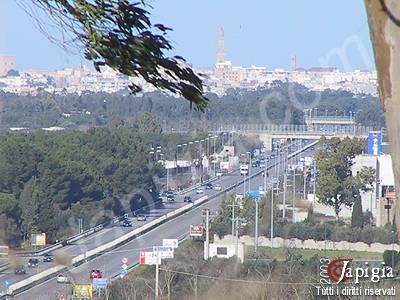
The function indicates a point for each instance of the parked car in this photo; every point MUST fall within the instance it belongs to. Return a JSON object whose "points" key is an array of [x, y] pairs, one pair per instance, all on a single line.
{"points": [[217, 187], [33, 262], [62, 278], [199, 191], [171, 198], [20, 270], [48, 257], [187, 199], [209, 186], [126, 223], [95, 274], [141, 218], [218, 174]]}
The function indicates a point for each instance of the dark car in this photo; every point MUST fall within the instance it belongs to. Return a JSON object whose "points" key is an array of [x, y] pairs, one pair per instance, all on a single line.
{"points": [[171, 198], [65, 243], [127, 223], [33, 262], [187, 199], [48, 257], [169, 194], [141, 217], [209, 186], [20, 270]]}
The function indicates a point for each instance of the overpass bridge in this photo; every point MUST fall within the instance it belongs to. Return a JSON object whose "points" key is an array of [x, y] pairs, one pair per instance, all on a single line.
{"points": [[268, 132]]}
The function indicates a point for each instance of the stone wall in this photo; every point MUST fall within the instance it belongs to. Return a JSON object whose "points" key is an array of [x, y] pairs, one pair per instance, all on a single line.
{"points": [[307, 244]]}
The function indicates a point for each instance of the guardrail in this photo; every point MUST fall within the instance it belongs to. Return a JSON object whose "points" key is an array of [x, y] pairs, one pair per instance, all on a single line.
{"points": [[81, 258]]}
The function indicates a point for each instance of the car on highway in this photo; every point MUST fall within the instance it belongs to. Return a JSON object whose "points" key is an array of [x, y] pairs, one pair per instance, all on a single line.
{"points": [[62, 278], [141, 218], [20, 270], [126, 223], [199, 191], [187, 199], [255, 164], [48, 257], [95, 274], [171, 198], [169, 194], [65, 243], [33, 262], [209, 186], [217, 187]]}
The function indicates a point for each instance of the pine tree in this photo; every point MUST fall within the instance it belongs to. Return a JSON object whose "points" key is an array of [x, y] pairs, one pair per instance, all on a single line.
{"points": [[357, 216]]}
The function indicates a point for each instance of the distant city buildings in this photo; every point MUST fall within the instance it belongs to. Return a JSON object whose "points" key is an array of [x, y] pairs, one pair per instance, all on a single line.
{"points": [[7, 63], [223, 76]]}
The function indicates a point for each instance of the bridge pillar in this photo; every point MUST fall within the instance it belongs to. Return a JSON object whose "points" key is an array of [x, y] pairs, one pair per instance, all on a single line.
{"points": [[267, 140]]}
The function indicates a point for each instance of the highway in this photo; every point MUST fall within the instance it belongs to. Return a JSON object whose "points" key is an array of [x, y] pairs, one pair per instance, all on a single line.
{"points": [[110, 263]]}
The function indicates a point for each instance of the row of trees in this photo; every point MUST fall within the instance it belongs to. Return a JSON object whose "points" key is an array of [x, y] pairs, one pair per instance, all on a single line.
{"points": [[48, 180], [275, 105]]}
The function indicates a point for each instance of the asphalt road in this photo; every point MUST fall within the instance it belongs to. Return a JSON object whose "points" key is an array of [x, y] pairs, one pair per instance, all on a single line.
{"points": [[110, 263], [108, 234]]}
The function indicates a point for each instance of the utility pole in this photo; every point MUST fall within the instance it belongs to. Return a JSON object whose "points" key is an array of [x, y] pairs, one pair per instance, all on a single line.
{"points": [[157, 274], [249, 153], [294, 190], [315, 179], [304, 184], [272, 212], [256, 229], [284, 194], [215, 158], [167, 179], [206, 211], [233, 205]]}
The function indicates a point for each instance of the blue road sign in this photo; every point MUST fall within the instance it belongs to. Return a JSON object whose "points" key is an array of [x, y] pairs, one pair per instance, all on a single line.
{"points": [[99, 283], [255, 194], [374, 142], [123, 271]]}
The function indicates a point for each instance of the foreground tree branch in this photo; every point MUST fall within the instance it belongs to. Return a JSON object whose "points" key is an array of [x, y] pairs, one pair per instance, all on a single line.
{"points": [[383, 19], [119, 34]]}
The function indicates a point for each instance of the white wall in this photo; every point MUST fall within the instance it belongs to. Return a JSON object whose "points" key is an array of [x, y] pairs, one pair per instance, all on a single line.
{"points": [[230, 249]]}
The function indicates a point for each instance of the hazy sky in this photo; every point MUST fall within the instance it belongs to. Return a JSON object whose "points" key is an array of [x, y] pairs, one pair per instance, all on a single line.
{"points": [[259, 32]]}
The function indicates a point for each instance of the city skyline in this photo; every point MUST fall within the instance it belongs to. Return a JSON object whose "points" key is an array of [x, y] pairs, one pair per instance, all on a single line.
{"points": [[346, 46]]}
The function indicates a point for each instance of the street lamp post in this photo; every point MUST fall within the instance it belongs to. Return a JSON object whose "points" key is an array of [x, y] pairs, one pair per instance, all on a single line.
{"points": [[249, 154], [272, 213], [256, 229], [177, 166]]}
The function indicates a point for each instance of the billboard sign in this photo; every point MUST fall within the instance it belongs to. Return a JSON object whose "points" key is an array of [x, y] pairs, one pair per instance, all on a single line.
{"points": [[164, 252], [83, 291], [173, 243], [38, 239], [374, 142], [148, 258], [196, 230]]}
